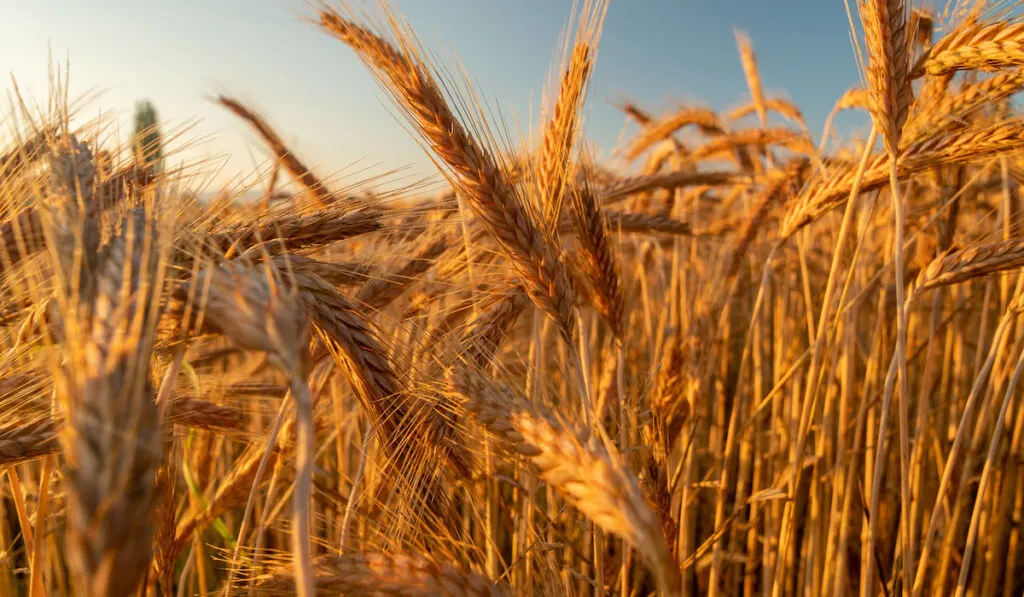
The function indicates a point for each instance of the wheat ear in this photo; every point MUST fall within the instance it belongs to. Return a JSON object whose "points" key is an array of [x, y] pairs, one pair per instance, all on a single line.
{"points": [[576, 464], [26, 441], [112, 439], [556, 149], [978, 46], [598, 259], [470, 167], [749, 62], [356, 347], [284, 156]]}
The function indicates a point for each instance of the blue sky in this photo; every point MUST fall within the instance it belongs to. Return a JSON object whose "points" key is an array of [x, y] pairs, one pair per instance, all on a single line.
{"points": [[323, 102]]}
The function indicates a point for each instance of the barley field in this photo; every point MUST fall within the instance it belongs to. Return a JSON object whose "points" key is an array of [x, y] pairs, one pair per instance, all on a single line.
{"points": [[764, 360]]}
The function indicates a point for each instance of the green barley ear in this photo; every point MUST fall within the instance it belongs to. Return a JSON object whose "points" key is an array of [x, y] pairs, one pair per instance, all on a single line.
{"points": [[147, 140]]}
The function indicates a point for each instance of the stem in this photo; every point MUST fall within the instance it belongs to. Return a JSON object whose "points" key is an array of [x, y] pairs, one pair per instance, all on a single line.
{"points": [[36, 581], [958, 440], [986, 476], [901, 356], [163, 394], [353, 497], [19, 506], [811, 387], [304, 456], [620, 389], [250, 502]]}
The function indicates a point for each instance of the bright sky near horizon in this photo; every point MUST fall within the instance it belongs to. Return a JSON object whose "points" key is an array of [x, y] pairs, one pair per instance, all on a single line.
{"points": [[327, 107]]}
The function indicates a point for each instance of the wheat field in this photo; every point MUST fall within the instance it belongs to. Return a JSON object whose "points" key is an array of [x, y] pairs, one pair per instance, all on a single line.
{"points": [[760, 361]]}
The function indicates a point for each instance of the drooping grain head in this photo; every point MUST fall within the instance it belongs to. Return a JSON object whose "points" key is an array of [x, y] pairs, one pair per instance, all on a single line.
{"points": [[465, 161], [286, 157], [255, 309], [598, 260], [575, 463], [982, 46]]}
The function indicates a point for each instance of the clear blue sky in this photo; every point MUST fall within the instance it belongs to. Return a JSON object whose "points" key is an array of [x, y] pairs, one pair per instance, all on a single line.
{"points": [[323, 102]]}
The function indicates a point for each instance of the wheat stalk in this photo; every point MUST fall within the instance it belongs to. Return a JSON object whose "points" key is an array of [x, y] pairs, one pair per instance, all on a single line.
{"points": [[559, 135], [471, 168], [255, 312], [355, 345], [295, 231], [890, 95], [626, 186], [972, 144], [205, 415], [576, 464], [888, 72], [111, 472], [405, 575], [338, 274], [749, 62], [756, 137]]}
